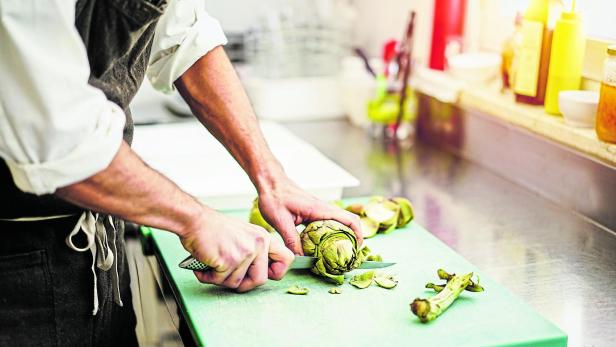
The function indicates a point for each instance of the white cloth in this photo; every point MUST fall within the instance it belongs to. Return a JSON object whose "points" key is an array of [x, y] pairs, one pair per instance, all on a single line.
{"points": [[55, 129]]}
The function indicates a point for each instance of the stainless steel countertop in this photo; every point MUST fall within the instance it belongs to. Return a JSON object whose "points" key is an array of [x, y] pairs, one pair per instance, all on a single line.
{"points": [[560, 263]]}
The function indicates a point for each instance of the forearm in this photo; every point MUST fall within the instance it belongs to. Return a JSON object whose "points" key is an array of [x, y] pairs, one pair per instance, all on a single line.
{"points": [[131, 190], [214, 93]]}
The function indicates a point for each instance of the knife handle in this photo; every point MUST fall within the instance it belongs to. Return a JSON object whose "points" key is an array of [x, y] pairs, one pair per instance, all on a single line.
{"points": [[193, 264]]}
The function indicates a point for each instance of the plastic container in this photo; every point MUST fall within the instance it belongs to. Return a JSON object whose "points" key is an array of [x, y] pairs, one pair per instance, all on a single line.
{"points": [[533, 56], [567, 59], [579, 107], [606, 114]]}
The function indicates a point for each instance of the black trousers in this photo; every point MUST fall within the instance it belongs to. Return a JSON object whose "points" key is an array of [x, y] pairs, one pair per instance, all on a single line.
{"points": [[46, 290]]}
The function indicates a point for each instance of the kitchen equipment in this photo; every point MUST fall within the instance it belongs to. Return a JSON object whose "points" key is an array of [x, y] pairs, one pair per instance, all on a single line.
{"points": [[267, 316], [357, 86], [579, 107], [606, 115], [475, 68], [567, 59], [293, 51], [405, 61], [300, 262]]}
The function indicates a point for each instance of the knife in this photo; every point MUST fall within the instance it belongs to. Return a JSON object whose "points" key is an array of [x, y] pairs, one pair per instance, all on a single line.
{"points": [[300, 262]]}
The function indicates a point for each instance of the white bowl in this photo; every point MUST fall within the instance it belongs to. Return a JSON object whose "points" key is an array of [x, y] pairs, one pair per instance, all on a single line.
{"points": [[579, 107], [475, 67]]}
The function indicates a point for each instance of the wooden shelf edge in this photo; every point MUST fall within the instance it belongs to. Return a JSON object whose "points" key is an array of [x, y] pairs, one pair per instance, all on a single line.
{"points": [[535, 120]]}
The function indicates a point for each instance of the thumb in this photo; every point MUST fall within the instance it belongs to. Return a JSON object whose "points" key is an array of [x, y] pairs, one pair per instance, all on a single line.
{"points": [[286, 228], [280, 258]]}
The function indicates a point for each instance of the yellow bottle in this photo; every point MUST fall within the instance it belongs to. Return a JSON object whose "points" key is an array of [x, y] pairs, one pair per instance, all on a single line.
{"points": [[567, 59]]}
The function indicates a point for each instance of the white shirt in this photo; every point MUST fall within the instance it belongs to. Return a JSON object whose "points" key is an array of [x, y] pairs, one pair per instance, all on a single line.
{"points": [[56, 129]]}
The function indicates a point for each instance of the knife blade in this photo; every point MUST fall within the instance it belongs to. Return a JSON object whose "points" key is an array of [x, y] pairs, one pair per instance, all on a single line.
{"points": [[300, 262]]}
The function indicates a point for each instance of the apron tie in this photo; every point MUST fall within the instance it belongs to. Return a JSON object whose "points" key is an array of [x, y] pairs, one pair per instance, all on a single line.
{"points": [[103, 255]]}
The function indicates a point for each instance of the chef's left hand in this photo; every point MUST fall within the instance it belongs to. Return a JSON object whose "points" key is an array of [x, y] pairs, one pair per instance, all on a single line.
{"points": [[285, 205]]}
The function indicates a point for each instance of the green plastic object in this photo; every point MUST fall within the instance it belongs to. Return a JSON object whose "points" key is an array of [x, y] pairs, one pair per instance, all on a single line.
{"points": [[267, 316], [384, 108]]}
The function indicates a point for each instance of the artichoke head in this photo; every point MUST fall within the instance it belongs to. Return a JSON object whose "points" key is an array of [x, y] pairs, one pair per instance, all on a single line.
{"points": [[335, 247]]}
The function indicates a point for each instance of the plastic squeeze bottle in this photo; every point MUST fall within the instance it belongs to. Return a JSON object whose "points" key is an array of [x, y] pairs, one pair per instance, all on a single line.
{"points": [[567, 59], [533, 55]]}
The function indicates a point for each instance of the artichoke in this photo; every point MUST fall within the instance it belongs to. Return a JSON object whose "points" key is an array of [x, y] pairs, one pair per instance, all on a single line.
{"points": [[384, 212], [335, 247], [383, 215], [256, 217], [406, 211]]}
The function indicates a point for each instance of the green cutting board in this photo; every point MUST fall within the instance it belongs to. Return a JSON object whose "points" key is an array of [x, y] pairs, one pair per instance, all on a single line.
{"points": [[267, 316]]}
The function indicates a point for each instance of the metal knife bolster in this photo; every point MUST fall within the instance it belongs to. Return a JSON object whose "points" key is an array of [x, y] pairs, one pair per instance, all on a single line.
{"points": [[300, 262]]}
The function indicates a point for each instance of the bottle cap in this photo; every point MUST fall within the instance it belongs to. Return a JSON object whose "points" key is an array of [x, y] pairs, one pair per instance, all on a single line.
{"points": [[570, 16], [611, 50]]}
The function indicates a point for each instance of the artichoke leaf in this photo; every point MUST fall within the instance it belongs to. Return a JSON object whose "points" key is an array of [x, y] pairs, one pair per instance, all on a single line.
{"points": [[369, 227], [256, 217], [386, 281], [374, 257], [362, 281], [406, 211], [335, 291], [357, 209], [297, 290]]}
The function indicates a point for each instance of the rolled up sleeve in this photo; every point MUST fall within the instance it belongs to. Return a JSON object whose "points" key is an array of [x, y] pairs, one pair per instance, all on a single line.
{"points": [[55, 129], [185, 33]]}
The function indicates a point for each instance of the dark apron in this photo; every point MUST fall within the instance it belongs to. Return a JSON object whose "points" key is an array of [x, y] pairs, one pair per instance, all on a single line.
{"points": [[46, 289]]}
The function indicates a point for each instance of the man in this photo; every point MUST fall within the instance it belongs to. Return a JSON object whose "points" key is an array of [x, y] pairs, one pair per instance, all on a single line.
{"points": [[68, 70]]}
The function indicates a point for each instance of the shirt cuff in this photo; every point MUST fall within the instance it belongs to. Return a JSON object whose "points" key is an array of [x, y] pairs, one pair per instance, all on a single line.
{"points": [[179, 45], [88, 158]]}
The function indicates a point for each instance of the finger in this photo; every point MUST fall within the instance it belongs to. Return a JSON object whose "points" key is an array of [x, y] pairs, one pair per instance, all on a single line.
{"points": [[257, 272], [237, 276], [326, 211], [286, 228], [211, 276], [280, 258], [217, 274]]}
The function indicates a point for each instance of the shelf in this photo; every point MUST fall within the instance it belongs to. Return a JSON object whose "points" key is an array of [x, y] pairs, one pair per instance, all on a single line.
{"points": [[535, 120]]}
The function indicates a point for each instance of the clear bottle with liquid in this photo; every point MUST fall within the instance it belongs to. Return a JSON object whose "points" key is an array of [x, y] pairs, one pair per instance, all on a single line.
{"points": [[606, 113]]}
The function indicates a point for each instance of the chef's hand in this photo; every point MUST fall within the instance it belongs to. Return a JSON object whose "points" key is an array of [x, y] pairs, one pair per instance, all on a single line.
{"points": [[242, 256], [285, 205]]}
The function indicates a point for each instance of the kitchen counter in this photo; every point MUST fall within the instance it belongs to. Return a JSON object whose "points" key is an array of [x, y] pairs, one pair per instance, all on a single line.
{"points": [[557, 261]]}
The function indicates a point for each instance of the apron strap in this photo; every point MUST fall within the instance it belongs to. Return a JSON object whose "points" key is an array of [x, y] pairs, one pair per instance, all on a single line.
{"points": [[103, 255]]}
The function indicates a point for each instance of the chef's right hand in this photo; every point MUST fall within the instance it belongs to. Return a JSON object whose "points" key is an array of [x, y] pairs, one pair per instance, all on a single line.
{"points": [[242, 256]]}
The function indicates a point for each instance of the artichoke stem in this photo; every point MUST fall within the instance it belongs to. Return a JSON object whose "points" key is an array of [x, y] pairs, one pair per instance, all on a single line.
{"points": [[429, 309]]}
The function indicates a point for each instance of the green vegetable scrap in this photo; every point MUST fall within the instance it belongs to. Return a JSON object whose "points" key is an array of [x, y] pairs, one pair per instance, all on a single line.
{"points": [[444, 275], [406, 211], [374, 257], [429, 309], [256, 217], [382, 215], [437, 288], [297, 290], [386, 281], [362, 281], [335, 290], [335, 247]]}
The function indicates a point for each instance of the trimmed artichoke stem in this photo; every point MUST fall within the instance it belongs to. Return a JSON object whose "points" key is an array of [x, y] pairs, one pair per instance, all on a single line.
{"points": [[429, 309]]}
